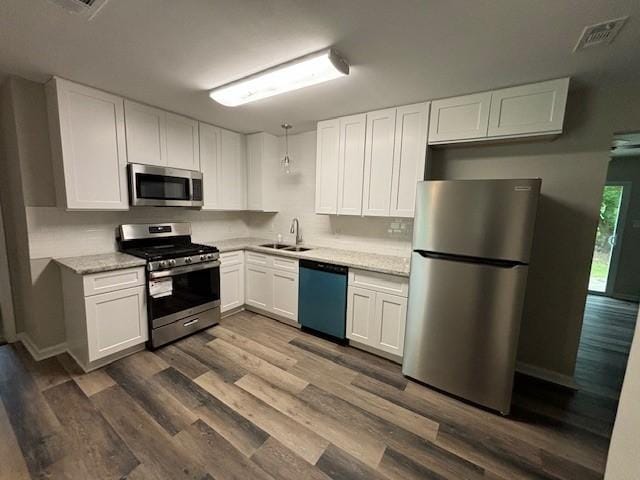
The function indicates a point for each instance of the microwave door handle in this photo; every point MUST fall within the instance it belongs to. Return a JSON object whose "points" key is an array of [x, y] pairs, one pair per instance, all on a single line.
{"points": [[183, 269]]}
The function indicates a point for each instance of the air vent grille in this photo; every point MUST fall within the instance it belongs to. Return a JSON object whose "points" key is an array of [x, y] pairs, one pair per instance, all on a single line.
{"points": [[599, 34], [85, 8]]}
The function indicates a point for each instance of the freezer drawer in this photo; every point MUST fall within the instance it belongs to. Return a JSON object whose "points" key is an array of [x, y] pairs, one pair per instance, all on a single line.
{"points": [[477, 218], [462, 330]]}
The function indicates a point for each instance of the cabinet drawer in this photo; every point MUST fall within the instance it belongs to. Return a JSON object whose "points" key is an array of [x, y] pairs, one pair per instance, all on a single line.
{"points": [[286, 264], [379, 282], [232, 258], [255, 258], [104, 282]]}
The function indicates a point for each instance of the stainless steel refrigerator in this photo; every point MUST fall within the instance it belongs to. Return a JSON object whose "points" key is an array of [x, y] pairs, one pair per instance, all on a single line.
{"points": [[471, 246]]}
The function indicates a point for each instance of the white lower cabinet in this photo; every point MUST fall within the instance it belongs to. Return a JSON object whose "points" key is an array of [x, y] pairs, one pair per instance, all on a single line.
{"points": [[116, 321], [376, 318], [285, 294], [231, 280], [259, 286], [390, 319], [360, 311], [105, 314], [272, 285]]}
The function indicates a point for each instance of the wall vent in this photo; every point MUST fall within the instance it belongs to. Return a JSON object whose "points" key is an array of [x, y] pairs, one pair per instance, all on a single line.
{"points": [[599, 34], [84, 8]]}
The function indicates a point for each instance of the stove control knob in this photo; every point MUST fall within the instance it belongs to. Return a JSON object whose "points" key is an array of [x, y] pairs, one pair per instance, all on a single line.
{"points": [[210, 256], [203, 258], [172, 262], [162, 264], [187, 259]]}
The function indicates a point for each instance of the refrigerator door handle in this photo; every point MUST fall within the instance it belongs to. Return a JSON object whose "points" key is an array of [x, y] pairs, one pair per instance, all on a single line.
{"points": [[465, 259]]}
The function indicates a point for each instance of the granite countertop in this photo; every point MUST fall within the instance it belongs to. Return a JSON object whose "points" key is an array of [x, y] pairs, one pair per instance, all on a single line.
{"points": [[391, 264], [103, 262]]}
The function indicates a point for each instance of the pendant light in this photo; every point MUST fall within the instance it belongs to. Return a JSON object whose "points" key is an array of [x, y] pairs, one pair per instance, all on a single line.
{"points": [[286, 161]]}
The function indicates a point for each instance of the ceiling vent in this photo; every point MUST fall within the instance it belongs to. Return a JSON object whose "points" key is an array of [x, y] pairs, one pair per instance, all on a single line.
{"points": [[600, 33], [84, 8]]}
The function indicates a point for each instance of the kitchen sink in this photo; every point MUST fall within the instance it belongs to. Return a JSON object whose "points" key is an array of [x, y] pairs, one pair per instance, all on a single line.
{"points": [[294, 248], [277, 246]]}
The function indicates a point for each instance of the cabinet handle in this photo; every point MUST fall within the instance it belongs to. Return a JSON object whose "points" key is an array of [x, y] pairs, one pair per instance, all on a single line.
{"points": [[191, 322]]}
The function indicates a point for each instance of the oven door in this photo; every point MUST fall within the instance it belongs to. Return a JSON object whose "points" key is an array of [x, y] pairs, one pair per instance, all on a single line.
{"points": [[164, 187], [179, 292]]}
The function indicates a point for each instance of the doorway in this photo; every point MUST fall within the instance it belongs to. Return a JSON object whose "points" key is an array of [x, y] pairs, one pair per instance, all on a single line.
{"points": [[611, 307], [606, 252]]}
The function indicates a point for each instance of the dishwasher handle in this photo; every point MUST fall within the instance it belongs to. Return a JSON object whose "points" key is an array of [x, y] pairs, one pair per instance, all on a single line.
{"points": [[324, 267]]}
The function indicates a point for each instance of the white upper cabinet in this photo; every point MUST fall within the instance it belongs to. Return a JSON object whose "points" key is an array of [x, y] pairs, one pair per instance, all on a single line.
{"points": [[157, 137], [327, 153], [210, 165], [146, 134], [263, 165], [524, 111], [232, 169], [182, 142], [351, 164], [223, 164], [378, 162], [459, 118], [409, 156], [529, 109], [88, 147], [380, 158]]}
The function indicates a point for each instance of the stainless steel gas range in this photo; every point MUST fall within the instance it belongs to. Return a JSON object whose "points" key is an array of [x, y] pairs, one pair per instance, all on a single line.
{"points": [[183, 279]]}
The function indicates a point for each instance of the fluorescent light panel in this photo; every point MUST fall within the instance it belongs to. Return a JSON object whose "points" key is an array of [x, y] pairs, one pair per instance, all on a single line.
{"points": [[303, 72]]}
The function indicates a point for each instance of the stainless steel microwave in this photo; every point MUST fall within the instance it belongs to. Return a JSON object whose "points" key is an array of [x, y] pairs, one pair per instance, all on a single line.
{"points": [[164, 186]]}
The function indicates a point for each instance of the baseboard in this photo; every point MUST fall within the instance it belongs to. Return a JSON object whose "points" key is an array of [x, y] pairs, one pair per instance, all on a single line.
{"points": [[625, 297], [275, 316], [41, 353], [233, 311], [374, 351], [547, 375]]}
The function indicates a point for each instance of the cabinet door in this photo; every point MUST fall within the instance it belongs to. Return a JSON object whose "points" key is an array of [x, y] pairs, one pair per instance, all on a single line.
{"points": [[146, 134], [258, 292], [459, 118], [285, 294], [378, 162], [327, 162], [255, 152], [529, 109], [390, 321], [351, 164], [182, 142], [89, 146], [361, 315], [116, 321], [232, 171], [210, 165], [231, 287], [410, 151]]}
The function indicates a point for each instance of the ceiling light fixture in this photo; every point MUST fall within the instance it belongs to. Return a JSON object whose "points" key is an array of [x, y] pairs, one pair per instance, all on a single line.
{"points": [[302, 72]]}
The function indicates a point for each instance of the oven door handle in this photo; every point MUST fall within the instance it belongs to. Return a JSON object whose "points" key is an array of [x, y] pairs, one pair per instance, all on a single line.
{"points": [[183, 269]]}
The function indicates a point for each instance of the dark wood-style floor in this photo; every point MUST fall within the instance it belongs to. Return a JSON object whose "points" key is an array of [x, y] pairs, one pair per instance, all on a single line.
{"points": [[255, 399], [607, 332]]}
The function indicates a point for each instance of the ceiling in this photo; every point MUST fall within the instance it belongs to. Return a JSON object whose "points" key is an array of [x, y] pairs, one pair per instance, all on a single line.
{"points": [[169, 53]]}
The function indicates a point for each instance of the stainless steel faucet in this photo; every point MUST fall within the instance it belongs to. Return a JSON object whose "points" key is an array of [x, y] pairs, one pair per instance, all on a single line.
{"points": [[295, 228]]}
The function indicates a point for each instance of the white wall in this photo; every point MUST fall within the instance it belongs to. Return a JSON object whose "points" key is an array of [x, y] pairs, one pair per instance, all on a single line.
{"points": [[7, 319], [624, 462], [296, 198]]}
